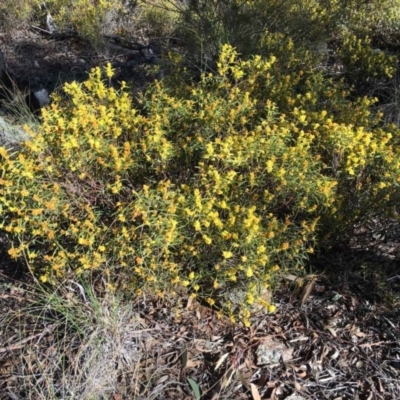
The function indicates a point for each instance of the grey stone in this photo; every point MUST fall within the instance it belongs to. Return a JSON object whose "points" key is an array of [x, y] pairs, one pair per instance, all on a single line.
{"points": [[271, 351], [295, 396]]}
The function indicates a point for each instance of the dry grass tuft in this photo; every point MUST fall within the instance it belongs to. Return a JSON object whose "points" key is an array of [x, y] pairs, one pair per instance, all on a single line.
{"points": [[75, 344]]}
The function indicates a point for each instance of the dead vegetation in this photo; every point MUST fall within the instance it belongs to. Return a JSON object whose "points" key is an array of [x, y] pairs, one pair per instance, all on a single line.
{"points": [[82, 341]]}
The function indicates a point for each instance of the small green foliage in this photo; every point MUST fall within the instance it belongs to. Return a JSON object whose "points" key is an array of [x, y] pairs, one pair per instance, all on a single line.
{"points": [[87, 17], [157, 17], [16, 13]]}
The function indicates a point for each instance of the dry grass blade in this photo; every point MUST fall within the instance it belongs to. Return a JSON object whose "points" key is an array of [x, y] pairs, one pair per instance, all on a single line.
{"points": [[223, 383], [221, 360], [307, 290], [22, 342]]}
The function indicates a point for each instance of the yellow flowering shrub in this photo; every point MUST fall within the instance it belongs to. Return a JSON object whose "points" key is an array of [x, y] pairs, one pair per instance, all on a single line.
{"points": [[210, 187], [379, 19], [15, 13], [364, 65], [352, 41], [208, 24], [87, 17]]}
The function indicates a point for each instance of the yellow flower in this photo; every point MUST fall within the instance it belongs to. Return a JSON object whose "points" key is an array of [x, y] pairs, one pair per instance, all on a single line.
{"points": [[261, 249], [3, 152], [270, 165], [13, 253], [210, 301], [227, 254], [302, 118], [175, 280], [50, 205], [197, 226], [285, 246], [271, 308], [223, 204], [250, 298], [382, 185], [350, 171], [109, 71], [210, 149], [207, 239], [189, 212]]}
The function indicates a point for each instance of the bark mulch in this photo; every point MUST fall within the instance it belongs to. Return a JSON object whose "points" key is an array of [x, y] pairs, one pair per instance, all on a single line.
{"points": [[335, 337]]}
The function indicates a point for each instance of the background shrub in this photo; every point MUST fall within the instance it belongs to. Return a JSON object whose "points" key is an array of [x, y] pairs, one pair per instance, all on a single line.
{"points": [[16, 13]]}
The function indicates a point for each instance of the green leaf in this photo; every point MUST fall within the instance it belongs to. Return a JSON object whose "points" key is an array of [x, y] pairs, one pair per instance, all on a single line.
{"points": [[195, 388], [184, 357]]}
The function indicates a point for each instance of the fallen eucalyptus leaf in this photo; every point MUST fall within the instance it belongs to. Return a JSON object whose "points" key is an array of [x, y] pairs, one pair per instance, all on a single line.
{"points": [[195, 388]]}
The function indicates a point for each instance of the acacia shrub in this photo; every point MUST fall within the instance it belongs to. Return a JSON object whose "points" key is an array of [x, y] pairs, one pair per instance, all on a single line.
{"points": [[206, 25], [352, 42], [210, 188]]}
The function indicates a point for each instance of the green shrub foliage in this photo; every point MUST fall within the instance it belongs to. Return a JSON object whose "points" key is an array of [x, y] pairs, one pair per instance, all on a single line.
{"points": [[212, 187]]}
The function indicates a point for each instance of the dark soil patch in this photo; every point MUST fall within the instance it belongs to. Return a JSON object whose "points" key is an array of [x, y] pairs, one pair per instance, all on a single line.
{"points": [[36, 60]]}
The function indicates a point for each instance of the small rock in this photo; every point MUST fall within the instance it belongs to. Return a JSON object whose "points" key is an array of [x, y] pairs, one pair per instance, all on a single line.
{"points": [[269, 352], [295, 396], [51, 25]]}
